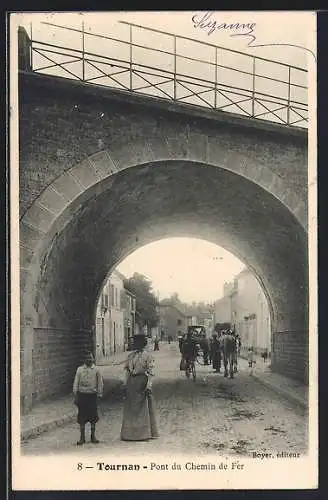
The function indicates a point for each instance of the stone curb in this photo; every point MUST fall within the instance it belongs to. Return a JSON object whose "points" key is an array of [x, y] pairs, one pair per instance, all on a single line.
{"points": [[293, 398], [287, 394], [36, 430]]}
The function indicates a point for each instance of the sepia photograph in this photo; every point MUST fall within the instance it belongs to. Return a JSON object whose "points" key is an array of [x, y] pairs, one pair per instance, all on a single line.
{"points": [[163, 261]]}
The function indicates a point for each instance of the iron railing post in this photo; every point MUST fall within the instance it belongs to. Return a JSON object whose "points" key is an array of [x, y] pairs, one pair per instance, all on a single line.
{"points": [[216, 78], [253, 89], [175, 68], [31, 46], [24, 50], [131, 56], [83, 50], [289, 95]]}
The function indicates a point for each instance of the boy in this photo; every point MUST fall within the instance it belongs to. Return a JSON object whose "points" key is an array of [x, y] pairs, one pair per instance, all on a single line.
{"points": [[88, 386], [265, 355]]}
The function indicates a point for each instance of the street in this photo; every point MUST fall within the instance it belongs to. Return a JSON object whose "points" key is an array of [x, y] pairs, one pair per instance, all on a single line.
{"points": [[211, 415]]}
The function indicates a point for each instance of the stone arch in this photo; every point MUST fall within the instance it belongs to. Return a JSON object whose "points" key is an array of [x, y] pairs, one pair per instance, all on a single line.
{"points": [[52, 209], [57, 196], [44, 241], [45, 216]]}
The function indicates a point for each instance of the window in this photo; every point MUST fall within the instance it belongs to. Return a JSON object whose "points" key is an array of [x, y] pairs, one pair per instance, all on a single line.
{"points": [[105, 300], [103, 336], [112, 298], [179, 322], [123, 299]]}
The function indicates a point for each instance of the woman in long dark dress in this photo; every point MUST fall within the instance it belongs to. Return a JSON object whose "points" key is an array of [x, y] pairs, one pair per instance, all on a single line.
{"points": [[139, 420]]}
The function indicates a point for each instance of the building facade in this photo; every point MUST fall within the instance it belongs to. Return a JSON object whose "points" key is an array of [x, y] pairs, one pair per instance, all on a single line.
{"points": [[222, 310], [128, 304], [245, 306], [209, 325], [110, 326], [250, 312], [172, 321]]}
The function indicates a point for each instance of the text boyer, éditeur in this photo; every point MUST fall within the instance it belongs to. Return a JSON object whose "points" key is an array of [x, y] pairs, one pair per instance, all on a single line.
{"points": [[280, 454]]}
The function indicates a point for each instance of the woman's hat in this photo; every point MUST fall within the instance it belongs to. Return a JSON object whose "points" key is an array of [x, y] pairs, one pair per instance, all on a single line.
{"points": [[140, 340]]}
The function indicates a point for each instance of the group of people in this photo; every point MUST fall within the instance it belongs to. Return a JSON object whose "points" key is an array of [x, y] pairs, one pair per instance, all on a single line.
{"points": [[139, 419], [216, 348], [211, 347]]}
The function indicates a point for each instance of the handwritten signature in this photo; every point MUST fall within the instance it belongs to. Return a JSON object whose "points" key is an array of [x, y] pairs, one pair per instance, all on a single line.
{"points": [[206, 22]]}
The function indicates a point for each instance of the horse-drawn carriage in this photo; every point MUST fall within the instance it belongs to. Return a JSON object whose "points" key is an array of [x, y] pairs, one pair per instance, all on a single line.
{"points": [[198, 333], [227, 345]]}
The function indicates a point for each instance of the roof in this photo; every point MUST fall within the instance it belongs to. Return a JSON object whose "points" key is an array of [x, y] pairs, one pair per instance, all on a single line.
{"points": [[119, 274], [242, 272], [168, 303]]}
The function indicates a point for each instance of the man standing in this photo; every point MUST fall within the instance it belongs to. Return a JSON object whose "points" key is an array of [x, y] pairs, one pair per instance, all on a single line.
{"points": [[189, 348], [216, 353], [180, 340], [88, 386], [238, 344], [156, 344], [210, 350], [204, 344], [265, 355]]}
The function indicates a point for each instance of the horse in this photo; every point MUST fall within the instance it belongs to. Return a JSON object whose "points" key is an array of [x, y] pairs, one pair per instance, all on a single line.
{"points": [[229, 350]]}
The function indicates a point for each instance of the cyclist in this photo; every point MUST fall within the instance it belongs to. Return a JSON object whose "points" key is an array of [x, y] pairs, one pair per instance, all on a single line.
{"points": [[189, 349]]}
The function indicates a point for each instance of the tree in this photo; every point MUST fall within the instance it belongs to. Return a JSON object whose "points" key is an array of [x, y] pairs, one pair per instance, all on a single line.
{"points": [[175, 297], [201, 310], [146, 301]]}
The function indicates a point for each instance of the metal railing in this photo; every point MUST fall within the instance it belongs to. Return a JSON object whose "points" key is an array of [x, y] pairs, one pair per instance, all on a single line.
{"points": [[248, 85]]}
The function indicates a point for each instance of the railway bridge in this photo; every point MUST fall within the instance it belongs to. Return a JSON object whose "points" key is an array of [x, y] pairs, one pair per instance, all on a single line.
{"points": [[104, 171]]}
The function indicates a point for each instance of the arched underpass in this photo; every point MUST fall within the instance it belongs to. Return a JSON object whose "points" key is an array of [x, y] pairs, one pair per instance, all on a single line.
{"points": [[141, 204]]}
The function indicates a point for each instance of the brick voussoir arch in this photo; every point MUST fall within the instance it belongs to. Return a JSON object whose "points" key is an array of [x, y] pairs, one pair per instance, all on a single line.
{"points": [[38, 220]]}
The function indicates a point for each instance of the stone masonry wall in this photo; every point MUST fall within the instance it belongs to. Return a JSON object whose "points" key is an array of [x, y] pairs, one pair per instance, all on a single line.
{"points": [[57, 134], [290, 354], [56, 355]]}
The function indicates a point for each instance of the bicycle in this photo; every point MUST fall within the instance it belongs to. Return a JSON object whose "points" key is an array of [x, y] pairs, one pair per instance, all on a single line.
{"points": [[190, 369]]}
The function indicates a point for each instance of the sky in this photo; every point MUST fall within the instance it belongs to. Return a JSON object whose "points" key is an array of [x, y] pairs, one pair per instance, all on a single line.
{"points": [[194, 268], [296, 28]]}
